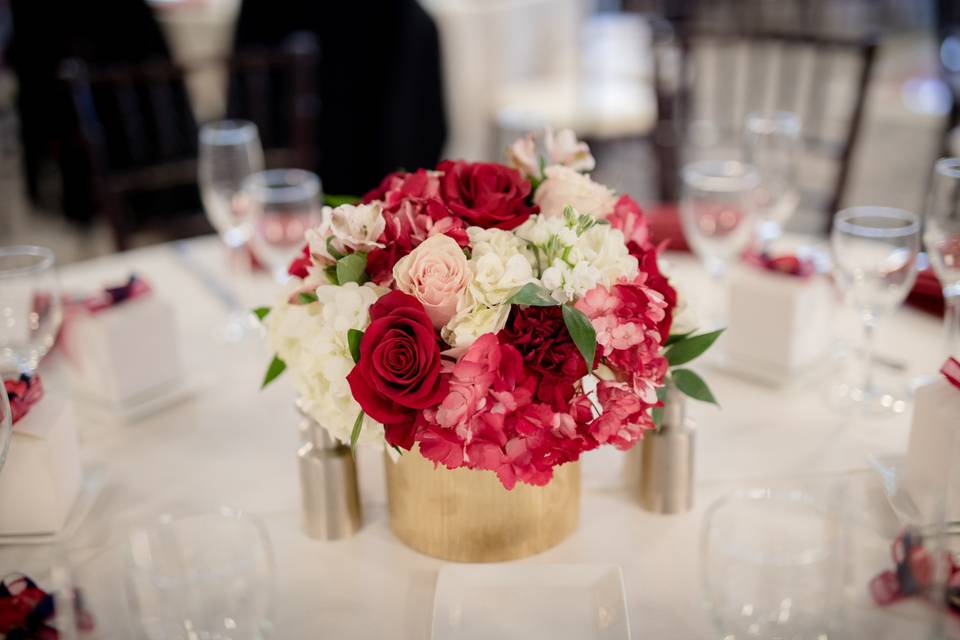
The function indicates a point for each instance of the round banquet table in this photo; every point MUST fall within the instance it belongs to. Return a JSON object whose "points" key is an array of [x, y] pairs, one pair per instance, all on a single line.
{"points": [[232, 444]]}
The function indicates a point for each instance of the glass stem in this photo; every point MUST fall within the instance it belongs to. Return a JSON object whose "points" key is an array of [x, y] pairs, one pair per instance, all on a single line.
{"points": [[869, 329], [951, 322], [239, 263]]}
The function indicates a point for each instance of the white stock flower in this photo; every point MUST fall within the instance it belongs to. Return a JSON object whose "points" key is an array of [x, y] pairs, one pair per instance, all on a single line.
{"points": [[312, 340], [563, 148], [565, 187], [567, 283], [500, 263], [352, 227]]}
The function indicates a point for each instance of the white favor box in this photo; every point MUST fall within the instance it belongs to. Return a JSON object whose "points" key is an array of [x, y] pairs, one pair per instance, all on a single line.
{"points": [[778, 324], [934, 441], [41, 478], [126, 351]]}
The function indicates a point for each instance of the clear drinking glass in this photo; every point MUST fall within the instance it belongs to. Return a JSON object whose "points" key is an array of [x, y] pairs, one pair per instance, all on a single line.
{"points": [[6, 424], [717, 210], [202, 576], [946, 546], [30, 307], [772, 143], [942, 240], [770, 567], [229, 153], [284, 203], [875, 265]]}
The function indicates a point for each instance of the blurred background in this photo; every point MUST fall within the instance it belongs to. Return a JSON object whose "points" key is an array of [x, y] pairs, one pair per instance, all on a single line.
{"points": [[100, 103]]}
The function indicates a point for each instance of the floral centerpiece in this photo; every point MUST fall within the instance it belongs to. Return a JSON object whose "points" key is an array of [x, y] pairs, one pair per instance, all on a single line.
{"points": [[461, 309], [498, 317]]}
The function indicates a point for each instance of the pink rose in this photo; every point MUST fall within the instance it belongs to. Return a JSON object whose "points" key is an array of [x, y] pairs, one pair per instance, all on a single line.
{"points": [[437, 274]]}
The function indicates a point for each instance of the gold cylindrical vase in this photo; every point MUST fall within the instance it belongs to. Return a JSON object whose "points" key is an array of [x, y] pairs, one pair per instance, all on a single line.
{"points": [[465, 515]]}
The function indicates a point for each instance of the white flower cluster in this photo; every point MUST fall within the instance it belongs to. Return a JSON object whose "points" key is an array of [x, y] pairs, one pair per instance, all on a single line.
{"points": [[312, 340], [575, 252]]}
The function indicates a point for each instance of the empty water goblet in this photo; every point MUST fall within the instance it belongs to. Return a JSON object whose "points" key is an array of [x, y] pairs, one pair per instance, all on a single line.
{"points": [[772, 143], [942, 240], [30, 307]]}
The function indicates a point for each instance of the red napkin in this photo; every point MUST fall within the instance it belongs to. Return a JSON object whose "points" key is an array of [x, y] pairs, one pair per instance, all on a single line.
{"points": [[927, 294]]}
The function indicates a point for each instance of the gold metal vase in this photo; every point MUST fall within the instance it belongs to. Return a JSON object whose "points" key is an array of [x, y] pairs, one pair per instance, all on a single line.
{"points": [[467, 516]]}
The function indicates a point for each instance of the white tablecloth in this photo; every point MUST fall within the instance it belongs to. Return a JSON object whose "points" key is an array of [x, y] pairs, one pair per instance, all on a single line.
{"points": [[233, 444]]}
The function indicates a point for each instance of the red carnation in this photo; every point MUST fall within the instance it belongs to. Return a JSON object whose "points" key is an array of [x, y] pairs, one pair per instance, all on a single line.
{"points": [[541, 337], [485, 194], [399, 369]]}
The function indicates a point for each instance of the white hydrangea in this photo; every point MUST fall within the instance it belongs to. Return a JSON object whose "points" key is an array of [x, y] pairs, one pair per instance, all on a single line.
{"points": [[501, 264], [312, 340]]}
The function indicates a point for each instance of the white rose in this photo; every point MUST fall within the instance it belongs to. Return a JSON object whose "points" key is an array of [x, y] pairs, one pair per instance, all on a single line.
{"points": [[564, 186], [472, 322], [437, 274], [564, 148], [501, 264]]}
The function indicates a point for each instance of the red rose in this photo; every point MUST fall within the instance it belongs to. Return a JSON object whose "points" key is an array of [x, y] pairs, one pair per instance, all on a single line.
{"points": [[541, 337], [485, 194], [298, 268], [399, 369]]}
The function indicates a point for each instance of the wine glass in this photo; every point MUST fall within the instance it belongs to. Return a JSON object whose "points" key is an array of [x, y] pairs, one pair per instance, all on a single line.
{"points": [[284, 203], [875, 258], [210, 574], [6, 424], [771, 143], [30, 307], [942, 240], [769, 565], [230, 152], [717, 211], [945, 593]]}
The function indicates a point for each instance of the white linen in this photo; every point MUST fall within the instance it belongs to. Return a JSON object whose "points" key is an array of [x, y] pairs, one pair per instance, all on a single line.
{"points": [[236, 445]]}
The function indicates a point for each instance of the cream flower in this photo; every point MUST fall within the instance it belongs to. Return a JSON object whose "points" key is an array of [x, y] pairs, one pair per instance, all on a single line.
{"points": [[437, 274], [604, 248], [564, 186], [500, 263], [352, 227], [564, 148], [312, 340], [522, 156], [470, 323]]}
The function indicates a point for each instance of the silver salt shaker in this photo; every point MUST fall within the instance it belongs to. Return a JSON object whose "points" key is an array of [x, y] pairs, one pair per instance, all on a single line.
{"points": [[328, 484], [666, 467]]}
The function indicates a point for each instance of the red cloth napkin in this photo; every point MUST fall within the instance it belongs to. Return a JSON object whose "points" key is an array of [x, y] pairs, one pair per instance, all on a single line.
{"points": [[927, 294]]}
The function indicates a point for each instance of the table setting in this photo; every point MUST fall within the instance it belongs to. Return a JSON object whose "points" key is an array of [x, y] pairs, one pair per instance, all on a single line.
{"points": [[487, 400]]}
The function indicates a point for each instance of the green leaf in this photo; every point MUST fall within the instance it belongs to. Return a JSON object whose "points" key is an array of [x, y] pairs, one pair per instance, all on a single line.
{"points": [[582, 333], [331, 273], [688, 348], [689, 383], [354, 336], [676, 337], [277, 366], [261, 312], [352, 268], [533, 295], [355, 434], [336, 255], [657, 415], [336, 201], [306, 297]]}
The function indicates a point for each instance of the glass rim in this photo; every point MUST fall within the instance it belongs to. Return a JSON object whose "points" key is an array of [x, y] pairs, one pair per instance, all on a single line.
{"points": [[228, 132], [776, 120], [726, 176], [47, 259], [949, 166], [843, 221], [276, 186]]}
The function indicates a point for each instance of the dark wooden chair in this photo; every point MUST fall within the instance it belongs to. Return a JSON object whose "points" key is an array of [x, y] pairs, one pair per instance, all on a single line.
{"points": [[135, 125], [823, 79]]}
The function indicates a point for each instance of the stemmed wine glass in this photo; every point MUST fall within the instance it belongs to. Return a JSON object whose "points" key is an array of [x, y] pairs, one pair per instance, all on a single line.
{"points": [[30, 307], [771, 143], [875, 258], [284, 203], [942, 240], [718, 213], [6, 424], [230, 152]]}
